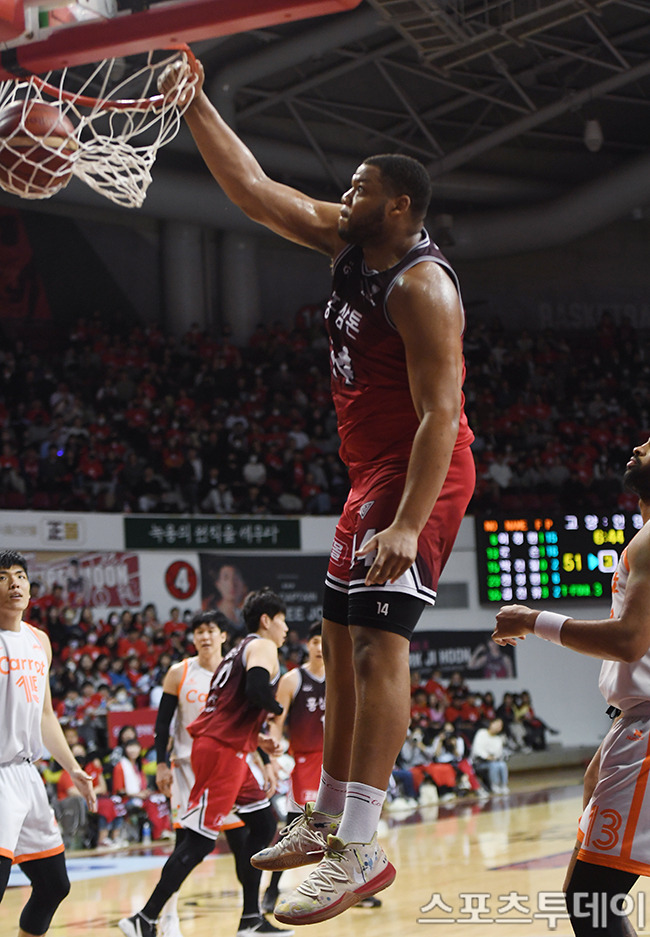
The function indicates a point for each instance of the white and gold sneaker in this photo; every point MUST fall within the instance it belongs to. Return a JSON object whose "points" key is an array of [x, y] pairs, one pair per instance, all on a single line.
{"points": [[348, 873], [300, 843]]}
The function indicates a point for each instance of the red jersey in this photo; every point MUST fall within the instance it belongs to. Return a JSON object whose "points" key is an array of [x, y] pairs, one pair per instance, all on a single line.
{"points": [[376, 417], [228, 715], [305, 718]]}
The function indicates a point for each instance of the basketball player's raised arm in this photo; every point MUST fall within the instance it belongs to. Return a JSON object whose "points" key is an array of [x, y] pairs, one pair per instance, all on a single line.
{"points": [[284, 210], [626, 638], [425, 309]]}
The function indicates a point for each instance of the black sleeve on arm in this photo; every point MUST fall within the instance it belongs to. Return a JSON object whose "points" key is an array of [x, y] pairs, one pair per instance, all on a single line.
{"points": [[259, 692], [166, 710]]}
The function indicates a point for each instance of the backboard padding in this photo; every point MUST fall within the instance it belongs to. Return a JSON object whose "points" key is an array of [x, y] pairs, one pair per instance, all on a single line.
{"points": [[162, 25]]}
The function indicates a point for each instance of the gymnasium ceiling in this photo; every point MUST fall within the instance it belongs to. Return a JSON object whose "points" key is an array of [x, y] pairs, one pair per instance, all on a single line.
{"points": [[528, 113], [502, 89]]}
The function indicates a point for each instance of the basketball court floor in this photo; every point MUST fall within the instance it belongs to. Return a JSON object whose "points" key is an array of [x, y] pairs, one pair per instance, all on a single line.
{"points": [[493, 868]]}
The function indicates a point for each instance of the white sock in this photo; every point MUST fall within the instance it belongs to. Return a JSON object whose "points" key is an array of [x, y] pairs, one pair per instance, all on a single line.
{"points": [[361, 814], [330, 799], [171, 906]]}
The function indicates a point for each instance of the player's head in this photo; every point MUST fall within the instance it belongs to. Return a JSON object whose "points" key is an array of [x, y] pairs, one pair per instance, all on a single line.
{"points": [[315, 640], [637, 472], [9, 558], [209, 630], [403, 175], [210, 617], [14, 583], [385, 191], [264, 612]]}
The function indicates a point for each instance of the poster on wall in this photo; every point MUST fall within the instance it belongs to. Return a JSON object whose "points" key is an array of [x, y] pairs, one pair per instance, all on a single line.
{"points": [[473, 653], [98, 580], [298, 580]]}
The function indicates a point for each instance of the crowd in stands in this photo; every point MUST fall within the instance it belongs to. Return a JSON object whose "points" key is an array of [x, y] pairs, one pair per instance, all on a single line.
{"points": [[556, 415], [459, 741], [126, 418]]}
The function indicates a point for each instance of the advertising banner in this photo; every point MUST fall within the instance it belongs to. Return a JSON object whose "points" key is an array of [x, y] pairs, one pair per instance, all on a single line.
{"points": [[298, 580], [474, 653]]}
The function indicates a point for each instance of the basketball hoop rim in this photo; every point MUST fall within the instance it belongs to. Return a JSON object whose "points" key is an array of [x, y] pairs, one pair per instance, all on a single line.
{"points": [[125, 104]]}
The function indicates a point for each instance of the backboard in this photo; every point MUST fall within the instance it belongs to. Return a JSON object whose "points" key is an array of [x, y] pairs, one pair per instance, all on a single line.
{"points": [[39, 35]]}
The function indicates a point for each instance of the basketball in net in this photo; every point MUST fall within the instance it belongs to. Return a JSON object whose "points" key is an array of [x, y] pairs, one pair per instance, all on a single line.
{"points": [[37, 149], [104, 122]]}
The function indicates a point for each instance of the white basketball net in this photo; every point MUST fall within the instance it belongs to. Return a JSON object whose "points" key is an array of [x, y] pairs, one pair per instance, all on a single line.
{"points": [[120, 121]]}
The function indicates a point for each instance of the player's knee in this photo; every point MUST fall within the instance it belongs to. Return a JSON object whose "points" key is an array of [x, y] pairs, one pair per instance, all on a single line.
{"points": [[367, 656], [60, 890], [195, 848], [53, 887], [262, 829], [50, 886]]}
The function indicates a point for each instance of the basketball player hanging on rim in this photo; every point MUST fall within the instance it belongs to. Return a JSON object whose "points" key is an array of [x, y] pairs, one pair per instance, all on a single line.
{"points": [[395, 322], [29, 834]]}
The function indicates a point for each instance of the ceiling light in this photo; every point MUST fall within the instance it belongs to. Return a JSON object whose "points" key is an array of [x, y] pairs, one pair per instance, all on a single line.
{"points": [[593, 136]]}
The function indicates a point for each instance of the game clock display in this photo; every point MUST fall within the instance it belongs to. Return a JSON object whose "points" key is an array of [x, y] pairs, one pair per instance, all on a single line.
{"points": [[572, 556]]}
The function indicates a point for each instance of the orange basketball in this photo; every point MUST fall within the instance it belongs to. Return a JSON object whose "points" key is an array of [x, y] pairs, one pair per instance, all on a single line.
{"points": [[37, 146]]}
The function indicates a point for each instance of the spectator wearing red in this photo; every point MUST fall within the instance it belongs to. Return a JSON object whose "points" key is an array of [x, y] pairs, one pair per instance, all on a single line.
{"points": [[132, 644], [174, 624]]}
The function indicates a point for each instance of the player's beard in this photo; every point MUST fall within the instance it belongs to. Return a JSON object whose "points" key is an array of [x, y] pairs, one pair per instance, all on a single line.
{"points": [[637, 480], [362, 231]]}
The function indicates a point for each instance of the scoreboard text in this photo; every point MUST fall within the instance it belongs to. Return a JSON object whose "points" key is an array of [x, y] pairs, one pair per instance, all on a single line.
{"points": [[523, 559]]}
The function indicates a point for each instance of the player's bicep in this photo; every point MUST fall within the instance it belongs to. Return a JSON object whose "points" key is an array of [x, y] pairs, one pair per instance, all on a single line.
{"points": [[172, 680], [426, 311]]}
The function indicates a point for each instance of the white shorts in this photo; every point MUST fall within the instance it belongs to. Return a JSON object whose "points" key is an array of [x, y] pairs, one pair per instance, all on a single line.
{"points": [[28, 827], [182, 784], [614, 828]]}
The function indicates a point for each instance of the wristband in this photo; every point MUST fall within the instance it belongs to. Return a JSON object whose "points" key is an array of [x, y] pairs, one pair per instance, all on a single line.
{"points": [[548, 625]]}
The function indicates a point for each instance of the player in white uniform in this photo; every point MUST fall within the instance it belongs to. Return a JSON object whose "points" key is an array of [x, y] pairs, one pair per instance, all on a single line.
{"points": [[185, 689], [614, 835], [29, 834]]}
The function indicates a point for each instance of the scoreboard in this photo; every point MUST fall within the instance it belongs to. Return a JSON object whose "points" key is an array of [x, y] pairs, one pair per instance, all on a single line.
{"points": [[572, 556]]}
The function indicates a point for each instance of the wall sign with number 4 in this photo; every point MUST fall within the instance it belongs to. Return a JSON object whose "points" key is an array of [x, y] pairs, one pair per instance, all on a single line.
{"points": [[181, 580]]}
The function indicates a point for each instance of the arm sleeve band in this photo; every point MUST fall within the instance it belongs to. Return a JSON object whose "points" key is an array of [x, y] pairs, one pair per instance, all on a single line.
{"points": [[259, 692], [266, 758], [166, 710]]}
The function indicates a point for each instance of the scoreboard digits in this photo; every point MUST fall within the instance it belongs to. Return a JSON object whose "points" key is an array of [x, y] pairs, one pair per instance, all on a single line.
{"points": [[524, 559]]}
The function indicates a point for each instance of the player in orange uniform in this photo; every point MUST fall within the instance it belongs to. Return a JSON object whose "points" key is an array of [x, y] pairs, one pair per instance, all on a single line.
{"points": [[613, 846], [395, 321], [29, 834], [241, 693]]}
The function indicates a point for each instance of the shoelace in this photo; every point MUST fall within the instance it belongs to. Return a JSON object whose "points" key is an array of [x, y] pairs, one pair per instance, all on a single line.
{"points": [[326, 875], [300, 827]]}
